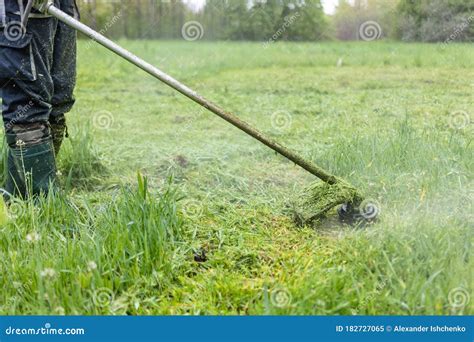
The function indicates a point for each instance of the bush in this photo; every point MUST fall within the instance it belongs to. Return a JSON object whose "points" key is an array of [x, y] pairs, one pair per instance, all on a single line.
{"points": [[435, 21]]}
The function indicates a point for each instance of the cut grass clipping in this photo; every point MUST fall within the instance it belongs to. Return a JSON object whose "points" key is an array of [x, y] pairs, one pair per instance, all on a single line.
{"points": [[317, 199]]}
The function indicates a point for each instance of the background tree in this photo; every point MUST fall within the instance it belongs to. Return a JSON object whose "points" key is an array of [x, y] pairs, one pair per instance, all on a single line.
{"points": [[434, 21], [294, 20], [350, 15]]}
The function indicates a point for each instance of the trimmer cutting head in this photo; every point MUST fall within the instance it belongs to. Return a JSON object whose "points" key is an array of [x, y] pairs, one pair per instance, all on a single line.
{"points": [[360, 215], [319, 198]]}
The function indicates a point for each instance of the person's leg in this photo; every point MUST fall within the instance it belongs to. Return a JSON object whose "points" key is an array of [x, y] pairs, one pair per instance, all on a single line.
{"points": [[27, 90], [63, 73]]}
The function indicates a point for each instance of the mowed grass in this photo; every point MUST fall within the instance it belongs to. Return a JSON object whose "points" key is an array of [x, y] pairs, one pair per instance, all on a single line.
{"points": [[204, 228]]}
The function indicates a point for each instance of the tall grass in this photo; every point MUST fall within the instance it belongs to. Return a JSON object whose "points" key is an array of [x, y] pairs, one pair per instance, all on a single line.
{"points": [[80, 160], [71, 256]]}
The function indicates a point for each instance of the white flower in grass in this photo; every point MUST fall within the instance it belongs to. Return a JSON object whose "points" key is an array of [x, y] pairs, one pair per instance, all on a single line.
{"points": [[91, 266], [60, 311], [20, 143], [48, 273], [33, 237]]}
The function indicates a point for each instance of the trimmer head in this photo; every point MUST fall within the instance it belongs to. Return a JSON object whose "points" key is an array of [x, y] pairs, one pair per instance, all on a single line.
{"points": [[320, 197], [365, 213]]}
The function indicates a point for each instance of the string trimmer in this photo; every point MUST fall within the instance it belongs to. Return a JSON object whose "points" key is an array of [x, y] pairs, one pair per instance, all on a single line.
{"points": [[315, 202]]}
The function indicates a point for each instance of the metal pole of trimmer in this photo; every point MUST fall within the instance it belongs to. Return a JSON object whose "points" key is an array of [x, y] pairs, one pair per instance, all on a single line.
{"points": [[170, 81]]}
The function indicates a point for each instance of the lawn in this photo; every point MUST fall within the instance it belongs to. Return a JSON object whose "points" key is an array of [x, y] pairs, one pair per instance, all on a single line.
{"points": [[167, 209]]}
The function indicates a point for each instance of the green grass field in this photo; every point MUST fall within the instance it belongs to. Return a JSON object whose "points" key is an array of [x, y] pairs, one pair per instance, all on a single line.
{"points": [[205, 229]]}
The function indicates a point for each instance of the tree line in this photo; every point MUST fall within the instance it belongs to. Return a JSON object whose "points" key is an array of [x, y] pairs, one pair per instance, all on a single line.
{"points": [[291, 20]]}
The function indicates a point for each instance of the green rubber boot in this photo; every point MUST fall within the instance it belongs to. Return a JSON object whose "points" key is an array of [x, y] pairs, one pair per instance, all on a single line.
{"points": [[31, 164]]}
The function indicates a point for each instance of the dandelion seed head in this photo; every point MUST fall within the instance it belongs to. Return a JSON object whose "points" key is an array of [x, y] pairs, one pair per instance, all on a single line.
{"points": [[33, 237], [48, 273], [91, 266]]}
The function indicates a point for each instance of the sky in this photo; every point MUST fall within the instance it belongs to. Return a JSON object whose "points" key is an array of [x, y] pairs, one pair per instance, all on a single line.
{"points": [[329, 5]]}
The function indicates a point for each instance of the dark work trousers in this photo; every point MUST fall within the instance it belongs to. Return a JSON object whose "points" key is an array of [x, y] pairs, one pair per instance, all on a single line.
{"points": [[37, 65]]}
